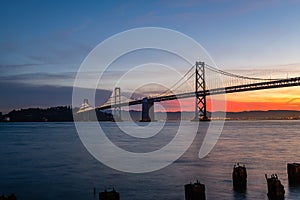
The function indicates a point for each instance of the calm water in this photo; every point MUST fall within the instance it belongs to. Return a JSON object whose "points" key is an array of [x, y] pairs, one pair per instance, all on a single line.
{"points": [[48, 161]]}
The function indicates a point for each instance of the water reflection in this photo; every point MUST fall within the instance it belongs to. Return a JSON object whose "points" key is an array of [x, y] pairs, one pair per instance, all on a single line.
{"points": [[239, 195], [294, 190]]}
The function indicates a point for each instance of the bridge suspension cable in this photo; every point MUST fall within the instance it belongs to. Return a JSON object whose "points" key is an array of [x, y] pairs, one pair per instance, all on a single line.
{"points": [[187, 76], [173, 87], [236, 75]]}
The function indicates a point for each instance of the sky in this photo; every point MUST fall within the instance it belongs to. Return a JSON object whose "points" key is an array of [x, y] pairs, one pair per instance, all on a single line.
{"points": [[43, 43]]}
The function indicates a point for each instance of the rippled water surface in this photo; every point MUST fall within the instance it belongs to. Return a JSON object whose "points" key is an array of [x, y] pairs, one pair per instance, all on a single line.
{"points": [[48, 161]]}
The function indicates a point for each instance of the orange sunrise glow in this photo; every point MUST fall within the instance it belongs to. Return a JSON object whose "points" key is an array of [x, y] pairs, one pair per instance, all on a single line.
{"points": [[275, 99]]}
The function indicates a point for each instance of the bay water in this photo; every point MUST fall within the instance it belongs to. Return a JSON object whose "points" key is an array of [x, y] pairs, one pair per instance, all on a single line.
{"points": [[47, 161]]}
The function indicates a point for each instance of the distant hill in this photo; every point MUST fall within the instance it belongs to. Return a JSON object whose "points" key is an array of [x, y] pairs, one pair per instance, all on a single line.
{"points": [[264, 115], [245, 115]]}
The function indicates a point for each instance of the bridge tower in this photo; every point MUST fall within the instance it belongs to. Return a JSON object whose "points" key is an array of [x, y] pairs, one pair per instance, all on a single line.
{"points": [[200, 85], [117, 102]]}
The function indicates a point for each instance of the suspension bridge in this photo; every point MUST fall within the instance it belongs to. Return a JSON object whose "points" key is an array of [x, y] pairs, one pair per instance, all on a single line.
{"points": [[207, 80]]}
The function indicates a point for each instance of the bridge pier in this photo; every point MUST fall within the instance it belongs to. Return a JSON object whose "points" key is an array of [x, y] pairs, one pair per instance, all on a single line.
{"points": [[147, 110]]}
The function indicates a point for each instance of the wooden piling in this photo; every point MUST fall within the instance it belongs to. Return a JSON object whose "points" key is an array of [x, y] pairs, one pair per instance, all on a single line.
{"points": [[195, 191], [111, 195], [239, 177], [275, 188], [293, 170]]}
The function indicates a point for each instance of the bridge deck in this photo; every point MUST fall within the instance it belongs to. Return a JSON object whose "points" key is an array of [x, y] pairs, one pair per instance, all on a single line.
{"points": [[239, 88]]}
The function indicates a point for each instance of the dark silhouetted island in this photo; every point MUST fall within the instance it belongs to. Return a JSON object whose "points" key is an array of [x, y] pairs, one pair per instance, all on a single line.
{"points": [[52, 114]]}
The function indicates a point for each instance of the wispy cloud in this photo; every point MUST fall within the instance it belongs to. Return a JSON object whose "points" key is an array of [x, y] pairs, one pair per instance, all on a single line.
{"points": [[47, 50], [42, 96], [40, 79], [268, 71], [3, 66], [180, 3], [293, 100], [74, 29]]}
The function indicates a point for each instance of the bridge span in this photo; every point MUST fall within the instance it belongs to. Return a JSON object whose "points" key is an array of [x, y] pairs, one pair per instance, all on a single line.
{"points": [[200, 93]]}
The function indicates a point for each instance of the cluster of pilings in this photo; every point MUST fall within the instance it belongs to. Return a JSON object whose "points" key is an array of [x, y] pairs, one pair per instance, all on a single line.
{"points": [[196, 191], [276, 190]]}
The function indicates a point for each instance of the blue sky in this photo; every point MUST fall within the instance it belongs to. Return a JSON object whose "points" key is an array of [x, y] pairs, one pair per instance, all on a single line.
{"points": [[42, 43]]}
